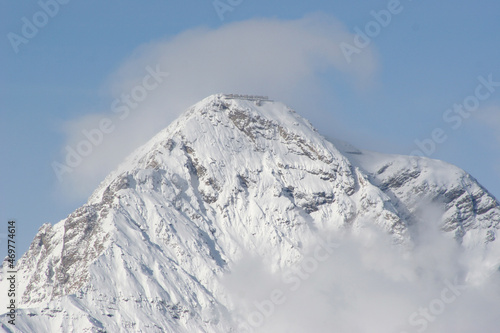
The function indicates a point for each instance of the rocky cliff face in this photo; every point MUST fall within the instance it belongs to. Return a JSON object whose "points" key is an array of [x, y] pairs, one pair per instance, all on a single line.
{"points": [[229, 177]]}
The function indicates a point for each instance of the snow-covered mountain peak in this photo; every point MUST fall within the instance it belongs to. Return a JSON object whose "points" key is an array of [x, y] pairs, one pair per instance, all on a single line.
{"points": [[218, 127], [232, 175]]}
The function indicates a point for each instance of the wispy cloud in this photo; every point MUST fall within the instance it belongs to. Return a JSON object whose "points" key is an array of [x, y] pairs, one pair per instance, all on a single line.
{"points": [[490, 117], [283, 59]]}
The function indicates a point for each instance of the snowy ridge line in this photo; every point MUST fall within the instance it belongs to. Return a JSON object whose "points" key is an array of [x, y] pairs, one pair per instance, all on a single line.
{"points": [[248, 97]]}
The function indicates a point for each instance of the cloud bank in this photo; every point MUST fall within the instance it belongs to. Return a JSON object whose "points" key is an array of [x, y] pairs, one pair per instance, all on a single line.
{"points": [[368, 284]]}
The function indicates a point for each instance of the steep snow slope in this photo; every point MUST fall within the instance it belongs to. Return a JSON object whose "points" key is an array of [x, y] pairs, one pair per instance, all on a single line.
{"points": [[470, 213], [229, 177]]}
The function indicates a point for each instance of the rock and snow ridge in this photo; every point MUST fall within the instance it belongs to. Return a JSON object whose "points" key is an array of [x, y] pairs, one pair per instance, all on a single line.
{"points": [[230, 176]]}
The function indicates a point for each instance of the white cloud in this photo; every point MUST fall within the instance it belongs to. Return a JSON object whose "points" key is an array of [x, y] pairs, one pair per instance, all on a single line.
{"points": [[367, 284], [282, 59]]}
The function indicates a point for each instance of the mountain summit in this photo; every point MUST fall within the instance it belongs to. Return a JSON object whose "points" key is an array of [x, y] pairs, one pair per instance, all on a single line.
{"points": [[232, 175]]}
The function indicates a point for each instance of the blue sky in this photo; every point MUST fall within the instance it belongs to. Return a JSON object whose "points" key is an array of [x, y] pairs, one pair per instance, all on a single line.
{"points": [[385, 96]]}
